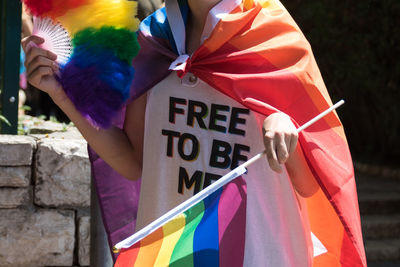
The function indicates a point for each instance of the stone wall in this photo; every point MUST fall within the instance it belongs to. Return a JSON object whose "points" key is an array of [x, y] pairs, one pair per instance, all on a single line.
{"points": [[44, 200]]}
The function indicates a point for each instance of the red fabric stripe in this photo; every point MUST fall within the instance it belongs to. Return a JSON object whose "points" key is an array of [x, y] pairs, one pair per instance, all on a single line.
{"points": [[128, 256], [348, 254]]}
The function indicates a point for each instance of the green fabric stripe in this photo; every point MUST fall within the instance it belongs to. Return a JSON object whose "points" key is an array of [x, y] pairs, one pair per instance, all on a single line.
{"points": [[183, 251]]}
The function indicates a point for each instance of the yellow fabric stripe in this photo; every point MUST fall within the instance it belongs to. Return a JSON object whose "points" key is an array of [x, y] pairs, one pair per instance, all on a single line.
{"points": [[271, 5], [172, 232]]}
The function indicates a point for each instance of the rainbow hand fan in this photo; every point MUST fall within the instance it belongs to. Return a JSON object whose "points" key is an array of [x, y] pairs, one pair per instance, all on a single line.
{"points": [[95, 42]]}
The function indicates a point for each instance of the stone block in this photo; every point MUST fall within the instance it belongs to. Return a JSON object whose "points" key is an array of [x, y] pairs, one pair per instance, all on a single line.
{"points": [[18, 176], [16, 150], [42, 238], [46, 127], [62, 173], [71, 133], [84, 241], [14, 197]]}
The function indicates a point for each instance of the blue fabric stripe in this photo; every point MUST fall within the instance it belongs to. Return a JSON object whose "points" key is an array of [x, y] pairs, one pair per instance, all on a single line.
{"points": [[157, 24], [206, 238]]}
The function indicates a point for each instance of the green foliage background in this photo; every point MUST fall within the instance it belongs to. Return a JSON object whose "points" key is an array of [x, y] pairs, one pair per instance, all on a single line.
{"points": [[357, 46]]}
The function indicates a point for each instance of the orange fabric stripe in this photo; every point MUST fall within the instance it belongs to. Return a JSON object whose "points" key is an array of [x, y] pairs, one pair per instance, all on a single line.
{"points": [[224, 30], [150, 247], [327, 228]]}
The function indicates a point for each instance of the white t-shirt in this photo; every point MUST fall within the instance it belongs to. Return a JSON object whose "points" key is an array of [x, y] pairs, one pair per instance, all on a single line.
{"points": [[194, 134]]}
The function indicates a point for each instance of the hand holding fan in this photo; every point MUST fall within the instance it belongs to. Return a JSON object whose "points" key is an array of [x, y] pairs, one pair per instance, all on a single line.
{"points": [[95, 42], [56, 38]]}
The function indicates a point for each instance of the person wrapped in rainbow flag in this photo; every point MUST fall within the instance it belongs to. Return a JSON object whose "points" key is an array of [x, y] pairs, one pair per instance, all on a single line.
{"points": [[215, 83], [253, 52]]}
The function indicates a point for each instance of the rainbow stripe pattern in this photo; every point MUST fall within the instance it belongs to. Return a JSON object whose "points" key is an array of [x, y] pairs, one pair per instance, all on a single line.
{"points": [[255, 53], [98, 75], [201, 236]]}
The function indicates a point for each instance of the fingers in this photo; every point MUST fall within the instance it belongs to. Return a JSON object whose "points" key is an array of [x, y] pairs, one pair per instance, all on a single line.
{"points": [[278, 148], [36, 77], [39, 66], [40, 61], [280, 139], [281, 148], [271, 152], [38, 52], [36, 40], [293, 142]]}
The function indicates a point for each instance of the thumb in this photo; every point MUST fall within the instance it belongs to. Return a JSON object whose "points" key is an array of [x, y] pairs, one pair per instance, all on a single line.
{"points": [[31, 41]]}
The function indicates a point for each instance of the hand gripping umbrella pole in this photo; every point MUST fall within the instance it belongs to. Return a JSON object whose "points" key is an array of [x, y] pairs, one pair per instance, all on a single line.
{"points": [[184, 206]]}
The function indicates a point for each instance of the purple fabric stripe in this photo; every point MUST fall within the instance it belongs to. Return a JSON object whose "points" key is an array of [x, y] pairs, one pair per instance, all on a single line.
{"points": [[147, 73], [118, 197], [232, 223]]}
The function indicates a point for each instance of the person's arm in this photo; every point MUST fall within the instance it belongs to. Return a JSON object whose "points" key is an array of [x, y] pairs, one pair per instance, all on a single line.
{"points": [[280, 140], [300, 174], [27, 25], [121, 150]]}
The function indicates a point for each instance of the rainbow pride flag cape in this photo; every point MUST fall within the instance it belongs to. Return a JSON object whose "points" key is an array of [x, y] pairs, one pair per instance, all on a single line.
{"points": [[255, 53]]}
